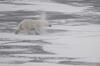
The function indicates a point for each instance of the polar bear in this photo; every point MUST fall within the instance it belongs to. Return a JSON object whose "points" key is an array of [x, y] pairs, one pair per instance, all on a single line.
{"points": [[32, 26]]}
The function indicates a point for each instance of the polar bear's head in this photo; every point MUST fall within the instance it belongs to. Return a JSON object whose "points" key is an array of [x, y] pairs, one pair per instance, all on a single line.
{"points": [[45, 24], [48, 25]]}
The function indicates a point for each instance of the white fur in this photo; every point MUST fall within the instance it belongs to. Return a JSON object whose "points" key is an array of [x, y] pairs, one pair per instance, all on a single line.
{"points": [[32, 26]]}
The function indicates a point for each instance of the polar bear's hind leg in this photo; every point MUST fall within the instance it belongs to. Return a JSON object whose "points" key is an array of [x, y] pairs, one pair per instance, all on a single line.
{"points": [[31, 31], [18, 29], [37, 31]]}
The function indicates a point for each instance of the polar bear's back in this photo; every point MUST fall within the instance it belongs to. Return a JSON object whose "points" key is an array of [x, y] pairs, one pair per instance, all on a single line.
{"points": [[29, 23]]}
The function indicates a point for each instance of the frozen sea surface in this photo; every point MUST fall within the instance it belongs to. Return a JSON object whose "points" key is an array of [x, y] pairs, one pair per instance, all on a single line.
{"points": [[73, 39]]}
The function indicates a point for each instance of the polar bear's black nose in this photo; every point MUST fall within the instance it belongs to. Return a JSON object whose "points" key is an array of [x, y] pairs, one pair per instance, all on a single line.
{"points": [[50, 25]]}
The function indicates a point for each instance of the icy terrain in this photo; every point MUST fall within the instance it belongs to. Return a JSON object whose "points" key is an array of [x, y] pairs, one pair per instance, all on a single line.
{"points": [[73, 39]]}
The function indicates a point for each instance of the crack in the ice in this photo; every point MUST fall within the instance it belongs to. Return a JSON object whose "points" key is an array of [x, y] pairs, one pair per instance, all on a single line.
{"points": [[26, 41], [79, 63]]}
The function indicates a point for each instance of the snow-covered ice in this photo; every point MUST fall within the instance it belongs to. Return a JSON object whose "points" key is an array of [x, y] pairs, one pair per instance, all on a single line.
{"points": [[69, 43], [43, 6]]}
